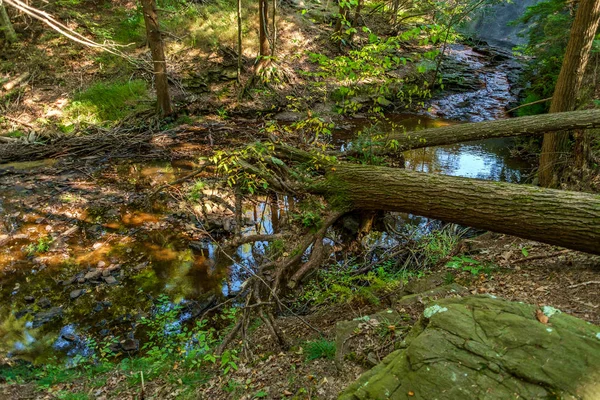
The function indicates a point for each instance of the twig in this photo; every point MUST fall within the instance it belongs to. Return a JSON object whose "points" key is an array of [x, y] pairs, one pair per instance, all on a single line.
{"points": [[18, 122], [541, 256], [585, 284], [529, 104]]}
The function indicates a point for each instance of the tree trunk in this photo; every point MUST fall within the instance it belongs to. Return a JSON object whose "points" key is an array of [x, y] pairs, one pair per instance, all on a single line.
{"points": [[263, 9], [582, 151], [583, 31], [530, 125], [6, 25], [344, 15], [239, 26], [163, 100], [562, 218], [274, 29]]}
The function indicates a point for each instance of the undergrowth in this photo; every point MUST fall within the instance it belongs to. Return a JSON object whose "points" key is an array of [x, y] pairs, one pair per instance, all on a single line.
{"points": [[342, 284], [321, 348], [104, 102]]}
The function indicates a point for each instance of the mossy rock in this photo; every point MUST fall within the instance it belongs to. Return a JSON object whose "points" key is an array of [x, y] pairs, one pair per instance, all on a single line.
{"points": [[480, 347]]}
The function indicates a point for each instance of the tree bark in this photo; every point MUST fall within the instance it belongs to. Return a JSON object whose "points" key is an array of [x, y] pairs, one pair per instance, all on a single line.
{"points": [[155, 41], [521, 126], [263, 38], [583, 31], [239, 34], [562, 218], [6, 25], [274, 29]]}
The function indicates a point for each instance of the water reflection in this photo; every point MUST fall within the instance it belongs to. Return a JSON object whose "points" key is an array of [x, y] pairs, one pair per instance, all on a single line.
{"points": [[487, 159]]}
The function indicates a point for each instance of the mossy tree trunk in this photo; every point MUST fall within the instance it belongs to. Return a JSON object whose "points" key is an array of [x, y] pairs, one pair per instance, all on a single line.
{"points": [[556, 145], [6, 25], [563, 218], [156, 44]]}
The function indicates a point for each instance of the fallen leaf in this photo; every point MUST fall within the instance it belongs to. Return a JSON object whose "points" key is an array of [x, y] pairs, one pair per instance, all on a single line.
{"points": [[287, 393], [411, 393], [541, 317]]}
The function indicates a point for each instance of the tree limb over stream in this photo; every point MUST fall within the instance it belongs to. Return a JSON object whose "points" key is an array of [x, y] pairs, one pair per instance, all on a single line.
{"points": [[522, 126]]}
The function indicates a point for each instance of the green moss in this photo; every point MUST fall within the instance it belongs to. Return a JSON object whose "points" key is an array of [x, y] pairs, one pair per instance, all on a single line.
{"points": [[334, 190]]}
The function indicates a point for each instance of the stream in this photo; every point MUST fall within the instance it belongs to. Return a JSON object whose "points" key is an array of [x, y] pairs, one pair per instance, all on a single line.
{"points": [[99, 279]]}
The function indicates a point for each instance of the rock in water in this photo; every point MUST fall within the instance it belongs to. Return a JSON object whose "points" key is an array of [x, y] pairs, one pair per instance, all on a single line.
{"points": [[484, 348], [46, 316], [75, 294]]}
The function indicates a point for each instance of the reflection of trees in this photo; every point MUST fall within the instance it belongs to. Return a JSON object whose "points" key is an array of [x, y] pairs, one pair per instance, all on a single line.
{"points": [[433, 159], [494, 153]]}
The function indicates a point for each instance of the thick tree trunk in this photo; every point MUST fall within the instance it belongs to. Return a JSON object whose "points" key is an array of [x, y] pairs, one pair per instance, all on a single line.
{"points": [[156, 44], [530, 125], [583, 31], [263, 38], [6, 25], [563, 218]]}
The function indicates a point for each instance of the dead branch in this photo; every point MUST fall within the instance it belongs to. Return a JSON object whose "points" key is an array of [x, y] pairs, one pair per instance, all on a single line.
{"points": [[541, 256], [316, 258], [585, 284]]}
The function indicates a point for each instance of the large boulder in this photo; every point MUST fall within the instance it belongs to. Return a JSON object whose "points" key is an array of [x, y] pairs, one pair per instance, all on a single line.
{"points": [[485, 348]]}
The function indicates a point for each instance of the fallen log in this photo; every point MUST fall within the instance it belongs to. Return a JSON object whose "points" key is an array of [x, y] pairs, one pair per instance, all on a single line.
{"points": [[522, 126], [558, 217]]}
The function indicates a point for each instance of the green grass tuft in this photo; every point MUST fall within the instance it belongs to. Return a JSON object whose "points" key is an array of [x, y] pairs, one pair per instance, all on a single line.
{"points": [[321, 348], [104, 102]]}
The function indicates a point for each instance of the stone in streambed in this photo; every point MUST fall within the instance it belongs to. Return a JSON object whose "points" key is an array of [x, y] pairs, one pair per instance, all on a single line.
{"points": [[110, 280], [44, 317], [93, 274], [75, 294]]}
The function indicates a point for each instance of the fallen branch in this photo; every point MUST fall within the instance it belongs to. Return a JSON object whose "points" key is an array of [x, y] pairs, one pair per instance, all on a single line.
{"points": [[540, 257], [16, 121], [585, 284], [521, 126]]}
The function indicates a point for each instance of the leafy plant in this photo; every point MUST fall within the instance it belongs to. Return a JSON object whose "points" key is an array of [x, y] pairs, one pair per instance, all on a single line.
{"points": [[195, 192], [321, 348], [468, 264], [548, 24], [41, 246]]}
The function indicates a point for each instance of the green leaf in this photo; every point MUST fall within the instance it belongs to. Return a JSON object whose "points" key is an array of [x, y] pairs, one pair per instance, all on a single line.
{"points": [[277, 161]]}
